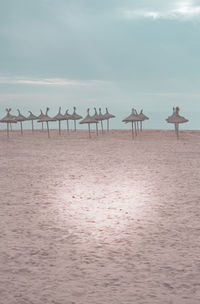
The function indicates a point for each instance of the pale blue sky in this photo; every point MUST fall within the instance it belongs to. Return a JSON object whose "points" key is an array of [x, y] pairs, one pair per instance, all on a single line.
{"points": [[115, 53]]}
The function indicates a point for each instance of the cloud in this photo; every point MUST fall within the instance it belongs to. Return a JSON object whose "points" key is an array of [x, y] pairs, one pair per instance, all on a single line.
{"points": [[171, 94], [183, 10], [56, 82]]}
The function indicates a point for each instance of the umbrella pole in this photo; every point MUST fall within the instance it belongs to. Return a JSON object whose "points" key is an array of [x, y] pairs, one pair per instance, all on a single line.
{"points": [[21, 127], [138, 126], [10, 126], [59, 123], [177, 130], [108, 125], [48, 129], [175, 127], [8, 129], [42, 127], [132, 130], [141, 126], [97, 129], [89, 130], [67, 126], [75, 125], [102, 126], [32, 127], [135, 129]]}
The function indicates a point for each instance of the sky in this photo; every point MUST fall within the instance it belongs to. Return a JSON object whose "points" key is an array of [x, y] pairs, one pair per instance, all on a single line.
{"points": [[115, 53]]}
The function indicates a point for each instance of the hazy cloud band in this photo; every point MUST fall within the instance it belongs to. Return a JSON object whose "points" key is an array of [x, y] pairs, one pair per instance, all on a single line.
{"points": [[51, 82]]}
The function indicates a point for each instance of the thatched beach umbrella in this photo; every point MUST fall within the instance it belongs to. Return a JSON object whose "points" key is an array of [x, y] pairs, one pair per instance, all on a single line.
{"points": [[88, 120], [176, 119], [32, 117], [107, 116], [142, 117], [59, 117], [20, 118], [75, 117], [133, 118], [9, 119], [46, 119], [67, 117]]}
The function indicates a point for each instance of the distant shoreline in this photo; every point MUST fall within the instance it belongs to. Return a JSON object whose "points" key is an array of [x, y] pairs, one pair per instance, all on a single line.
{"points": [[93, 130]]}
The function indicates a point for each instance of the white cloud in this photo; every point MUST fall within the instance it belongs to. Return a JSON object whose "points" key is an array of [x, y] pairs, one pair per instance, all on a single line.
{"points": [[171, 94], [57, 82], [185, 10]]}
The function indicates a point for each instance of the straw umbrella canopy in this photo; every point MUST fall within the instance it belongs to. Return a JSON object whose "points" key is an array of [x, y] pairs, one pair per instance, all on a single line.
{"points": [[173, 114], [32, 117], [59, 117], [20, 118], [107, 116], [75, 117], [8, 119], [100, 117], [176, 119], [46, 119], [143, 117], [133, 118], [88, 120], [67, 117]]}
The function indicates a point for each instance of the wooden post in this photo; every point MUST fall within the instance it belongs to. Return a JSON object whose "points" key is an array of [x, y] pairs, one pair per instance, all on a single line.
{"points": [[21, 128], [132, 130], [67, 126], [89, 130], [102, 126], [48, 129], [8, 129], [108, 125], [97, 129], [177, 128], [59, 122], [137, 126], [135, 129]]}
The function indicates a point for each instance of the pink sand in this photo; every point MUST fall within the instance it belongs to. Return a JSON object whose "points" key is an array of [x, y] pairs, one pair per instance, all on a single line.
{"points": [[106, 220]]}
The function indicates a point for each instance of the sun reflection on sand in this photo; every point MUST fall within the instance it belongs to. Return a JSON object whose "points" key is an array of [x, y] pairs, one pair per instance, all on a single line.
{"points": [[104, 211]]}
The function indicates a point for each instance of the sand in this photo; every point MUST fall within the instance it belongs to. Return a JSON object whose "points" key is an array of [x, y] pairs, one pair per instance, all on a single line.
{"points": [[106, 220]]}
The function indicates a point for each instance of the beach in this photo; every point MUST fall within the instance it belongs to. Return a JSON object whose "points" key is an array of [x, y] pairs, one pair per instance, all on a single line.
{"points": [[103, 220]]}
